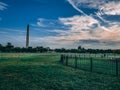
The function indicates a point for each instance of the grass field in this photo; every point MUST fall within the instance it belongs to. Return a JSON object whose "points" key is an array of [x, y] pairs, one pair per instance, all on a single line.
{"points": [[28, 71]]}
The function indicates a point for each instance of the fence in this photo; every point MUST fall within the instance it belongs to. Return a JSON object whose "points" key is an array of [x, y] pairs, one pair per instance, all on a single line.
{"points": [[99, 64]]}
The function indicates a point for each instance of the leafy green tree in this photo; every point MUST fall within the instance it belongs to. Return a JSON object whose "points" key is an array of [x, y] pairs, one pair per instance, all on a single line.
{"points": [[9, 47], [17, 49], [79, 47], [1, 47]]}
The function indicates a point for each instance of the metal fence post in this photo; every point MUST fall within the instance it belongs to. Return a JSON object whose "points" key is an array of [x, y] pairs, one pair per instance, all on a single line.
{"points": [[61, 58]]}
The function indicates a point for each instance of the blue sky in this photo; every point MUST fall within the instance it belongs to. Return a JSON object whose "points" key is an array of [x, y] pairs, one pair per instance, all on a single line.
{"points": [[61, 23]]}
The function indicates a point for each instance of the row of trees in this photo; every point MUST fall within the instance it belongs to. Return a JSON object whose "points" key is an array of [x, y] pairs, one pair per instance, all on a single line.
{"points": [[87, 51], [11, 48]]}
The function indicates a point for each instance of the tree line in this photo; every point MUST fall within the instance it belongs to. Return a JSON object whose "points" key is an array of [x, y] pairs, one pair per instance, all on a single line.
{"points": [[9, 47]]}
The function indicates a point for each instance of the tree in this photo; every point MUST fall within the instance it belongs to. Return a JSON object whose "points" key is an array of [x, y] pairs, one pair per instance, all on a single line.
{"points": [[79, 47], [1, 47], [9, 47], [17, 49]]}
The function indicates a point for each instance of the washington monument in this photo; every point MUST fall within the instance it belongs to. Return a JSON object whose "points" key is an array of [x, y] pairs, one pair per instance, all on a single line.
{"points": [[27, 36]]}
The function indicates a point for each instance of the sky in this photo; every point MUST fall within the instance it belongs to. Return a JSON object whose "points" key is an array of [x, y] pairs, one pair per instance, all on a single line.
{"points": [[61, 23]]}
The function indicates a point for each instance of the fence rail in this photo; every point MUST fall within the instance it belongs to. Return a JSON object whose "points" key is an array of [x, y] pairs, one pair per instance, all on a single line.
{"points": [[93, 64]]}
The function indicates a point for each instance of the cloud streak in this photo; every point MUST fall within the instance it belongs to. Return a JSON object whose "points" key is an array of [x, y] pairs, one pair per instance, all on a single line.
{"points": [[77, 4], [110, 8], [74, 6], [3, 6], [104, 7], [81, 30]]}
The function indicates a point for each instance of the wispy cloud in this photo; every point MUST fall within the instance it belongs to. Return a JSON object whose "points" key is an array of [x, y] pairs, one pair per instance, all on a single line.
{"points": [[12, 30], [49, 24], [77, 4], [73, 3], [103, 7], [110, 8], [107, 6], [79, 22], [82, 30], [86, 29], [3, 6], [42, 22]]}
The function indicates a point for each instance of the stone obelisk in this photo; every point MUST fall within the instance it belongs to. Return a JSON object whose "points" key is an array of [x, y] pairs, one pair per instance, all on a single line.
{"points": [[27, 36]]}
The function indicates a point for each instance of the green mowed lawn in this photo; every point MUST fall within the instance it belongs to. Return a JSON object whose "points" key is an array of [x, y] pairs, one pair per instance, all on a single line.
{"points": [[28, 71]]}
